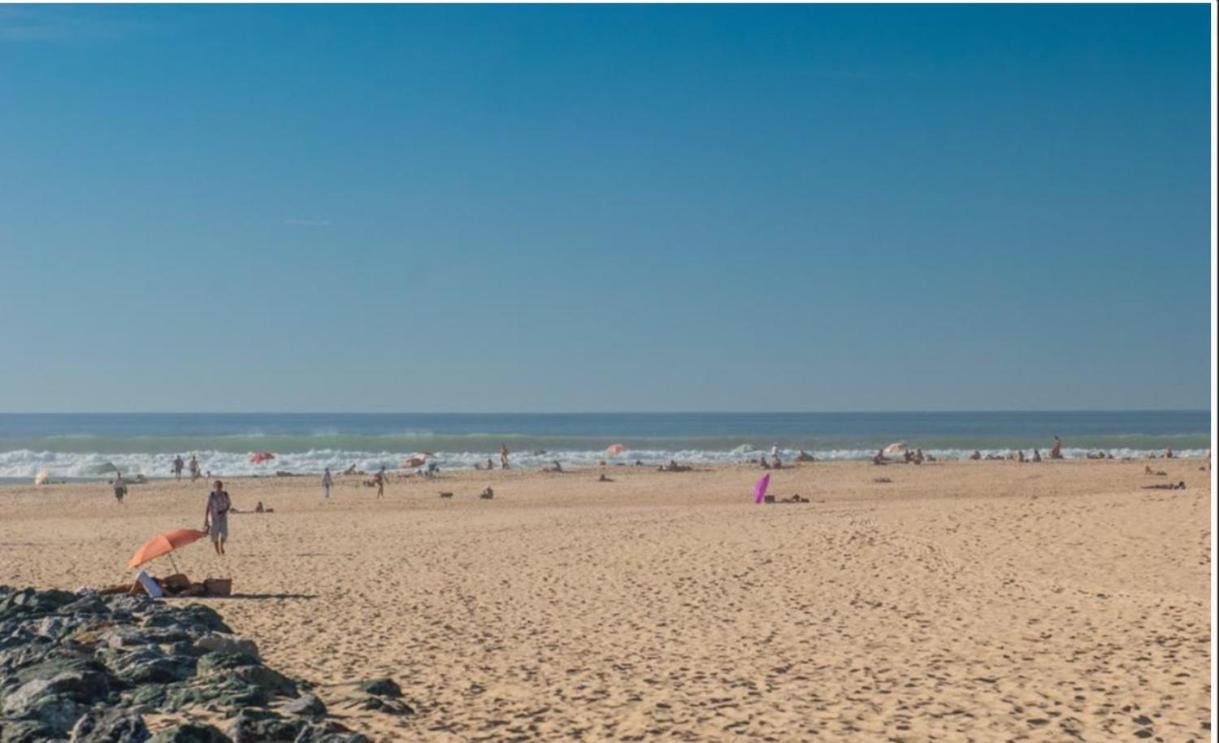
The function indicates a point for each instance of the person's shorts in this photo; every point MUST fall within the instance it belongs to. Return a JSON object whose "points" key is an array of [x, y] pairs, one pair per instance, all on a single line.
{"points": [[220, 528]]}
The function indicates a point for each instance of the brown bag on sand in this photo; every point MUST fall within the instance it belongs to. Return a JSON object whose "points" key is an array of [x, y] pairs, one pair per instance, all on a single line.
{"points": [[218, 586], [175, 583]]}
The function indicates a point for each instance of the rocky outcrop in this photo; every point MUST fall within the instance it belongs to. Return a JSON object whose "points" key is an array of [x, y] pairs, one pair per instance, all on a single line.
{"points": [[87, 669]]}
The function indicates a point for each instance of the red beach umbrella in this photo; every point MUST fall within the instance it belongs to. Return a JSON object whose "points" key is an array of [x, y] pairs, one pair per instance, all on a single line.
{"points": [[163, 544]]}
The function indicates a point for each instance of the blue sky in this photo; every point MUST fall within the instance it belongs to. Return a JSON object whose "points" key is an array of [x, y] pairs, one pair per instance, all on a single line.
{"points": [[604, 208]]}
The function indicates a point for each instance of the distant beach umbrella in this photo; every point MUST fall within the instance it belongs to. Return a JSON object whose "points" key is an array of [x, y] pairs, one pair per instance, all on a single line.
{"points": [[759, 490], [259, 457], [42, 477], [164, 543], [615, 449], [898, 447]]}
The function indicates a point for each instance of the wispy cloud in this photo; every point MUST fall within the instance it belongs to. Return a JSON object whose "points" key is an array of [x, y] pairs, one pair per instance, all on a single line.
{"points": [[50, 25]]}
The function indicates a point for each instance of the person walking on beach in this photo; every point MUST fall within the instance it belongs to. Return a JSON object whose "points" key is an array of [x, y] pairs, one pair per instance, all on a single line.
{"points": [[194, 468], [379, 479], [120, 486], [503, 456], [326, 483], [216, 516], [1056, 451], [178, 465]]}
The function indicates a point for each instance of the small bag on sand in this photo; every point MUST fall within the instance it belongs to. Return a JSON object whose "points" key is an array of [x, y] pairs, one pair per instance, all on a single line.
{"points": [[218, 586]]}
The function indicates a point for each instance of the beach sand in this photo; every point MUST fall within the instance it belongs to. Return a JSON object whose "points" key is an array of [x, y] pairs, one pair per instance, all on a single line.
{"points": [[989, 600]]}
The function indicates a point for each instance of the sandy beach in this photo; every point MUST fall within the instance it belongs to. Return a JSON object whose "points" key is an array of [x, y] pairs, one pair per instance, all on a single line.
{"points": [[980, 600]]}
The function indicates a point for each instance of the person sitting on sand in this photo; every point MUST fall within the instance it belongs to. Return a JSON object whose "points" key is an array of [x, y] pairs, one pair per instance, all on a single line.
{"points": [[557, 467], [1036, 455], [976, 455], [777, 463], [1168, 453], [880, 457], [120, 486], [761, 461], [350, 470], [1056, 450], [603, 478], [804, 456], [487, 493], [216, 516], [1166, 486]]}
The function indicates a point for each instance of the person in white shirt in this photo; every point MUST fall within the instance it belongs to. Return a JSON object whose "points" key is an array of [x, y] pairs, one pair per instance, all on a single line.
{"points": [[216, 516]]}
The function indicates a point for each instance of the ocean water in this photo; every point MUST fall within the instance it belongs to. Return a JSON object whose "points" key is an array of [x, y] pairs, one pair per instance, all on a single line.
{"points": [[71, 446]]}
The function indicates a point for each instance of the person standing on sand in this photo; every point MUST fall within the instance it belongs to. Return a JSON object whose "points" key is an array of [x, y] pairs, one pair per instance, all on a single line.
{"points": [[503, 456], [216, 516], [120, 486], [326, 483], [178, 465], [194, 468], [1056, 451], [379, 479]]}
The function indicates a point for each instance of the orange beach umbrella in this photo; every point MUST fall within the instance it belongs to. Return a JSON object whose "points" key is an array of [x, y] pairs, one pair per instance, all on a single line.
{"points": [[163, 544]]}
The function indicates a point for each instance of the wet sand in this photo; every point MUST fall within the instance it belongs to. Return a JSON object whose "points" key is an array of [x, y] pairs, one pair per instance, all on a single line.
{"points": [[990, 600]]}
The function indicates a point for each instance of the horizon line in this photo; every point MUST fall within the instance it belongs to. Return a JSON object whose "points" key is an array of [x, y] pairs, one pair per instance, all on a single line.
{"points": [[623, 412]]}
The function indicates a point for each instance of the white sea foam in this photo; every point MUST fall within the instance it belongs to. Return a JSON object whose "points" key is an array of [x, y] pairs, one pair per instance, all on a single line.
{"points": [[24, 463]]}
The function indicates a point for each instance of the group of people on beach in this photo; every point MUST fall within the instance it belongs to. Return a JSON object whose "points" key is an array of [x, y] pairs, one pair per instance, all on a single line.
{"points": [[193, 466]]}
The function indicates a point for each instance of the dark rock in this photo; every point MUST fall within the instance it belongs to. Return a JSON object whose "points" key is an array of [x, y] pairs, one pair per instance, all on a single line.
{"points": [[228, 693], [55, 714], [149, 665], [190, 733], [382, 687], [86, 605], [384, 706], [24, 731], [307, 705], [89, 667], [211, 663], [249, 726], [329, 732], [147, 695], [31, 603], [217, 643], [113, 726]]}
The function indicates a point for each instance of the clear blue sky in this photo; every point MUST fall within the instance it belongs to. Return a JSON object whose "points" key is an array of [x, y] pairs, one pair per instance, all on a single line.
{"points": [[604, 208]]}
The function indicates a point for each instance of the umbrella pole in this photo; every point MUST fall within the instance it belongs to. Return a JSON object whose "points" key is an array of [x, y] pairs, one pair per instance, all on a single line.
{"points": [[171, 562]]}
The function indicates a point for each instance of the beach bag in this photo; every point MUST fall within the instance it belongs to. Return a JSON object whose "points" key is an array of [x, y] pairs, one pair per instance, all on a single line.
{"points": [[218, 586]]}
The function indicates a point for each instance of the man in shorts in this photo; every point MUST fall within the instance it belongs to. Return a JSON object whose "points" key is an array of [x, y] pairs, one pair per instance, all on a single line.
{"points": [[216, 517]]}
